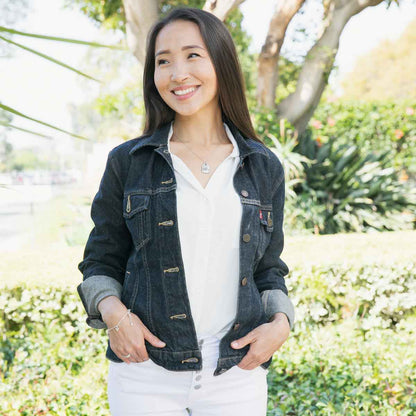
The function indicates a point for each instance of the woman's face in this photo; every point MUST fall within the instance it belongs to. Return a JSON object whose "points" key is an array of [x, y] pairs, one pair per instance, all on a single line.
{"points": [[182, 61]]}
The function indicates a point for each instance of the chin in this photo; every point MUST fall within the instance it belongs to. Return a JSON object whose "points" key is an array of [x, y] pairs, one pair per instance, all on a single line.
{"points": [[184, 112]]}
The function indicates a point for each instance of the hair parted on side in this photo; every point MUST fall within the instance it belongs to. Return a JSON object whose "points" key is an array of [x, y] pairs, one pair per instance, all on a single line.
{"points": [[223, 54]]}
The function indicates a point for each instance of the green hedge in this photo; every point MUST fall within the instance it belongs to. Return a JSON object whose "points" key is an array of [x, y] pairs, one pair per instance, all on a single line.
{"points": [[373, 126], [361, 173], [349, 353]]}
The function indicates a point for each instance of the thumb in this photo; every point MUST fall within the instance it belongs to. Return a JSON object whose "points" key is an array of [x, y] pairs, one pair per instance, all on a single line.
{"points": [[153, 339]]}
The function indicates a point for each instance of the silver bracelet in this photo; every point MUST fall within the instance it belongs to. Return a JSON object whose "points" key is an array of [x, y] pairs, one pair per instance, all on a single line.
{"points": [[117, 326]]}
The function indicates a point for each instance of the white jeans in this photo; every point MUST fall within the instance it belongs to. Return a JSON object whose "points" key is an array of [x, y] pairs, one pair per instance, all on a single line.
{"points": [[147, 388]]}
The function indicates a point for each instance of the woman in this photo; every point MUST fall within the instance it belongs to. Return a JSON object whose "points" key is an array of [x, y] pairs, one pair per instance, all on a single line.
{"points": [[184, 258]]}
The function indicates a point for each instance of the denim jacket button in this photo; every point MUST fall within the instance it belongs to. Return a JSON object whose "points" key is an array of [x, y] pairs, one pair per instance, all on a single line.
{"points": [[236, 326], [190, 360], [179, 316], [244, 281], [244, 192], [246, 238]]}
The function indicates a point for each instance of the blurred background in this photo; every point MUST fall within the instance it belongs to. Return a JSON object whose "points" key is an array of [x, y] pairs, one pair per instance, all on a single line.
{"points": [[331, 87]]}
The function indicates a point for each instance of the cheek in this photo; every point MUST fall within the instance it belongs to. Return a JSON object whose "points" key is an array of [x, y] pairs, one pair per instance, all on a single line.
{"points": [[159, 81], [208, 73]]}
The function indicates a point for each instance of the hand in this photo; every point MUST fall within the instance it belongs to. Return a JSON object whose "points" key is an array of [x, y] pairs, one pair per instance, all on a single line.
{"points": [[264, 341], [129, 339]]}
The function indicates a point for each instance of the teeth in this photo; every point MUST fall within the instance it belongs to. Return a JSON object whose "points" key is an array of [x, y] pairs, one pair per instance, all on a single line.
{"points": [[183, 92]]}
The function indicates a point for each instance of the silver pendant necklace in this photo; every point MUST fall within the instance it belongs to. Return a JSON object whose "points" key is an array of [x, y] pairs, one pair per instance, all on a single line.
{"points": [[205, 168]]}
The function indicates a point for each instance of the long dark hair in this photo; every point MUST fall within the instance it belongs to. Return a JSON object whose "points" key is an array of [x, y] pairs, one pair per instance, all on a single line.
{"points": [[224, 57]]}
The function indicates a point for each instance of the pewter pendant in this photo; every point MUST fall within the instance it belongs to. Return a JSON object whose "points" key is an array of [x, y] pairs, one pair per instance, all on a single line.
{"points": [[205, 168]]}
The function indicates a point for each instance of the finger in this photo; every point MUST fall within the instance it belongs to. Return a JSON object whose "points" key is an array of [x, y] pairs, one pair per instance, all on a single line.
{"points": [[152, 339], [243, 363], [139, 349], [135, 357], [251, 365], [123, 357]]}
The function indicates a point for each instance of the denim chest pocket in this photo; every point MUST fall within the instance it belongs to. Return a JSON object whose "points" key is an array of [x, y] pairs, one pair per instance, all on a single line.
{"points": [[266, 230], [136, 213]]}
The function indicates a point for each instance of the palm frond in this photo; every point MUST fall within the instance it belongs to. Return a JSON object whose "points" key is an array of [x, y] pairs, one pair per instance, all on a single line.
{"points": [[12, 110], [49, 58], [59, 39]]}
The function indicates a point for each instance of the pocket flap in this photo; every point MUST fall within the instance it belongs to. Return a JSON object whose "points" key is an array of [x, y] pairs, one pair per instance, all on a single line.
{"points": [[134, 203]]}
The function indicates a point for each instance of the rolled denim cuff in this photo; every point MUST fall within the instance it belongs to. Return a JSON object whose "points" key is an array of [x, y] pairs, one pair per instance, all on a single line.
{"points": [[276, 300], [94, 289]]}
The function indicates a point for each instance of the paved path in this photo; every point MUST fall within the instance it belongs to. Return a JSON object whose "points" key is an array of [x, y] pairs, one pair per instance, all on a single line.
{"points": [[17, 206]]}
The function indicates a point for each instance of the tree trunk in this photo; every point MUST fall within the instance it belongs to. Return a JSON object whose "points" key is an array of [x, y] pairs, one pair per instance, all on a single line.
{"points": [[140, 16], [221, 8], [268, 75], [299, 107]]}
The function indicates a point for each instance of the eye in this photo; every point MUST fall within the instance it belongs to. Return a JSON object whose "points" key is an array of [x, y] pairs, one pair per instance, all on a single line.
{"points": [[160, 61]]}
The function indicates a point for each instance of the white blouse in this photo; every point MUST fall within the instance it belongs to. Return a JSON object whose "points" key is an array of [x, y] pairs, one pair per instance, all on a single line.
{"points": [[209, 228]]}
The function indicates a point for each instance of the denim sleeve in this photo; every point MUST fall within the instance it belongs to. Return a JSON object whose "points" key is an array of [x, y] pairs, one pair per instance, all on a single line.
{"points": [[277, 301], [108, 246], [92, 291], [271, 270]]}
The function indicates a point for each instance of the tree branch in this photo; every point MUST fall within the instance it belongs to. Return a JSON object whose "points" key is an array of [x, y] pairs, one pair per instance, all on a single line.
{"points": [[269, 56], [221, 8], [299, 106], [140, 16]]}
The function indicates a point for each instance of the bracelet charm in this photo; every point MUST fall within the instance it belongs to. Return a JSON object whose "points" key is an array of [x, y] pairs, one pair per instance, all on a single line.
{"points": [[117, 326]]}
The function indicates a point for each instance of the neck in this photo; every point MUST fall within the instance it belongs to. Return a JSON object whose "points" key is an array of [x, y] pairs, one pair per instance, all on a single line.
{"points": [[201, 132]]}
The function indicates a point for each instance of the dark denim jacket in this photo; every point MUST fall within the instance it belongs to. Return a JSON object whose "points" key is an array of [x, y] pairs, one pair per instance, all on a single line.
{"points": [[140, 249]]}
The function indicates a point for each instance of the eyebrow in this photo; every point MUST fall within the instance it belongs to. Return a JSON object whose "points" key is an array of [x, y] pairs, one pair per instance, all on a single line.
{"points": [[183, 48]]}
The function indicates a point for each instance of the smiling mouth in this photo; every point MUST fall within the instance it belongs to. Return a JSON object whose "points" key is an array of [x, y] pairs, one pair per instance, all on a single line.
{"points": [[187, 91]]}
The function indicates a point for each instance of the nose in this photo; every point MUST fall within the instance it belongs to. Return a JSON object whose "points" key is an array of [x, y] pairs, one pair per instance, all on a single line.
{"points": [[179, 73], [179, 77]]}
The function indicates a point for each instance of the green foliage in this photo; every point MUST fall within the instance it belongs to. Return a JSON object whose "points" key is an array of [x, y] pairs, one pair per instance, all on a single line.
{"points": [[348, 354], [6, 150], [377, 296], [349, 190], [342, 174], [337, 370], [25, 159], [47, 354], [282, 140], [288, 77], [108, 13], [167, 5], [373, 126]]}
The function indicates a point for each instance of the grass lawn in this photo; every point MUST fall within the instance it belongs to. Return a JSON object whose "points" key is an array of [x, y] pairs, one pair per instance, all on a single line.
{"points": [[360, 248], [56, 262]]}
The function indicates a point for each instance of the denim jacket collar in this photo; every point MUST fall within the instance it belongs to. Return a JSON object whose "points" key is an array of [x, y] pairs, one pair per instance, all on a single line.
{"points": [[160, 137]]}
